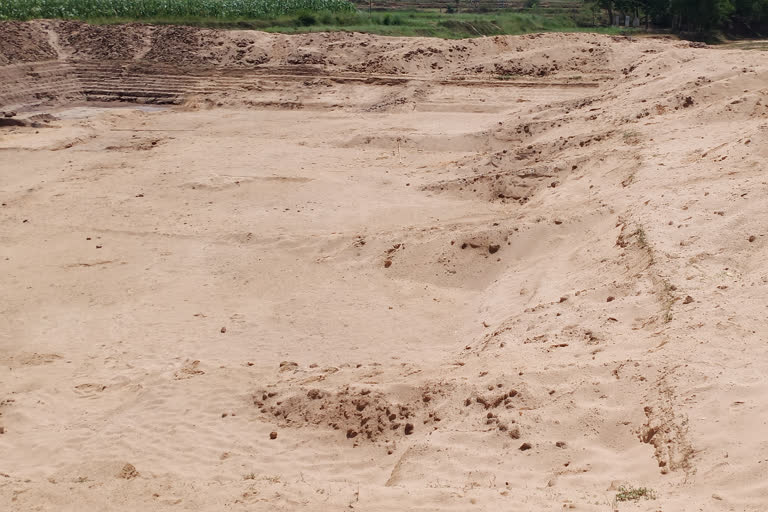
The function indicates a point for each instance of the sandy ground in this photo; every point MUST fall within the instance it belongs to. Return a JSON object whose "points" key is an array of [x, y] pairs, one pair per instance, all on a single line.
{"points": [[370, 273]]}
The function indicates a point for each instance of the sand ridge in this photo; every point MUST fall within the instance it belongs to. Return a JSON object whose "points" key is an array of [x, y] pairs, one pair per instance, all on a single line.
{"points": [[349, 271]]}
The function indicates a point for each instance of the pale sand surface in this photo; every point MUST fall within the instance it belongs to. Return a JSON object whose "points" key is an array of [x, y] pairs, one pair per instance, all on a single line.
{"points": [[406, 263]]}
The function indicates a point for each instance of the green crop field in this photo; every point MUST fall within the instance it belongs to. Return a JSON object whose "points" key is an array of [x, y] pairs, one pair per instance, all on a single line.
{"points": [[291, 16], [147, 9]]}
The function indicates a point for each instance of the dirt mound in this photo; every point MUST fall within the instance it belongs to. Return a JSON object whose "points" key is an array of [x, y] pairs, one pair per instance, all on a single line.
{"points": [[360, 413], [183, 45], [365, 414], [538, 162], [101, 42], [503, 185], [524, 56], [24, 42], [580, 57], [406, 60]]}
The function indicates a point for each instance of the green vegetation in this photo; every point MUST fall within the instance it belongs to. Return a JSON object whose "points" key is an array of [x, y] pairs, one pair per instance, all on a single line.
{"points": [[436, 24], [446, 19], [312, 15], [749, 17], [397, 23], [631, 137], [634, 494], [749, 45], [144, 9]]}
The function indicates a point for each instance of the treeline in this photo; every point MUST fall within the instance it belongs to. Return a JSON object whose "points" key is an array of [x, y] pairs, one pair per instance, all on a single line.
{"points": [[748, 17]]}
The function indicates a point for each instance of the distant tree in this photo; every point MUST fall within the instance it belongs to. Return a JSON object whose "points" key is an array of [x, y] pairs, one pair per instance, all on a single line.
{"points": [[656, 10], [608, 5], [688, 15], [751, 12], [700, 15]]}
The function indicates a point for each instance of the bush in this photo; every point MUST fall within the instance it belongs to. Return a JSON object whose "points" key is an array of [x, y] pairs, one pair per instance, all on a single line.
{"points": [[347, 18], [306, 19], [474, 28]]}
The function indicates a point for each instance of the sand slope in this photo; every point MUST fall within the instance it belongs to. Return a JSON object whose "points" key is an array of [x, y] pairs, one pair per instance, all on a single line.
{"points": [[508, 273]]}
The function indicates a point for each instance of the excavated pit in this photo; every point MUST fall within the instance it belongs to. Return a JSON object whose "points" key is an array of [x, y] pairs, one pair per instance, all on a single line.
{"points": [[334, 271]]}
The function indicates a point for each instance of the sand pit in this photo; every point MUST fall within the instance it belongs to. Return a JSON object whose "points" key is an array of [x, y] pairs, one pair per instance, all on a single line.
{"points": [[249, 271]]}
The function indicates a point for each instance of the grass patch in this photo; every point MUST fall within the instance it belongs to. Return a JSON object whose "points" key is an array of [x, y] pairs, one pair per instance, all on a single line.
{"points": [[300, 16], [631, 137], [635, 493], [748, 45], [446, 25]]}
